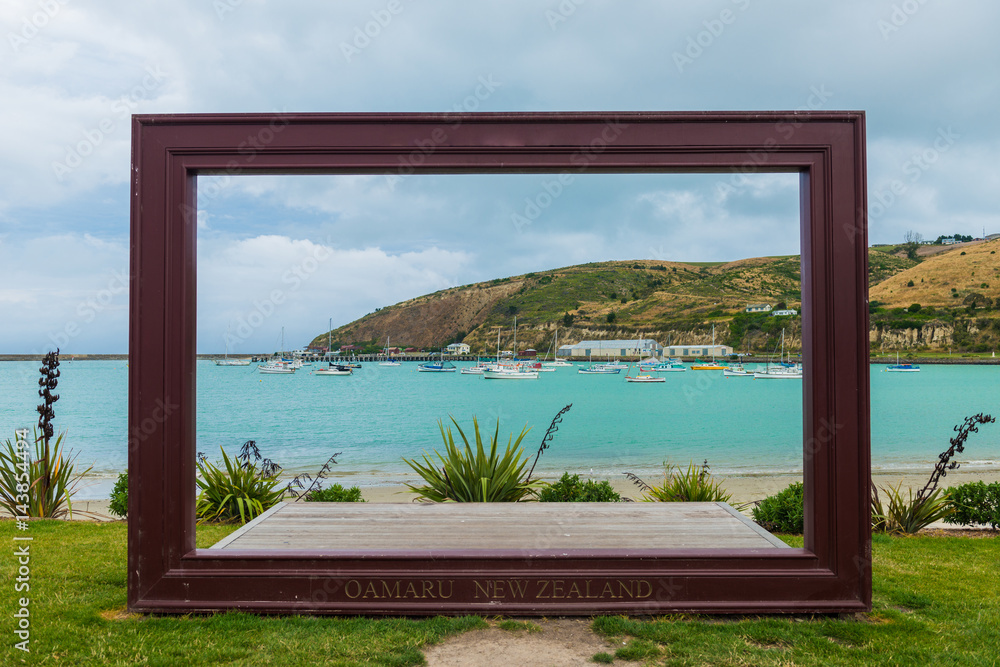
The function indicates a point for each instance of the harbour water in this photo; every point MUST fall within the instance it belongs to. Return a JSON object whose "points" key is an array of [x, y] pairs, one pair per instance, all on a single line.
{"points": [[380, 415]]}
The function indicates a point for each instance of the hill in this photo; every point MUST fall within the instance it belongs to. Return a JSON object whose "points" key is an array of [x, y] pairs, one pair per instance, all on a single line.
{"points": [[668, 301]]}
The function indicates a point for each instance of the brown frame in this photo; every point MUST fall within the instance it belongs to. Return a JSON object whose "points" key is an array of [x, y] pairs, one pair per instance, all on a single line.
{"points": [[166, 573]]}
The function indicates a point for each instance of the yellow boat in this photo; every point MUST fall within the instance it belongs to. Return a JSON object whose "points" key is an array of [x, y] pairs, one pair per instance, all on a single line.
{"points": [[709, 366]]}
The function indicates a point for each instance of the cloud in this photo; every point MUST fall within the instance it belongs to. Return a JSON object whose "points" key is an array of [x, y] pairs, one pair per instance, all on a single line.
{"points": [[74, 72]]}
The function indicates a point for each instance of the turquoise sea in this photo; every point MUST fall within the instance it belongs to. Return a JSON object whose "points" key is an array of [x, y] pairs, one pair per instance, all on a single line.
{"points": [[379, 415]]}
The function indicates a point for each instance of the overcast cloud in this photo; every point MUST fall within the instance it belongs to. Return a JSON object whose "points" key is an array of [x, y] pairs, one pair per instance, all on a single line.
{"points": [[293, 253]]}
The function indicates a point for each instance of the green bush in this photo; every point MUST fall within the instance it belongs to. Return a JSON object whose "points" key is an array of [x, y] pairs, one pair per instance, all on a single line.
{"points": [[694, 485], [975, 503], [572, 490], [335, 494], [241, 492], [464, 475], [119, 496], [782, 512]]}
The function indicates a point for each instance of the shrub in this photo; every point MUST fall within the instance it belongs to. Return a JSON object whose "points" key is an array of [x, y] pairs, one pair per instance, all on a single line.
{"points": [[975, 503], [914, 308], [335, 494], [242, 491], [909, 283], [464, 475], [119, 496], [611, 317], [782, 512], [694, 485], [572, 490]]}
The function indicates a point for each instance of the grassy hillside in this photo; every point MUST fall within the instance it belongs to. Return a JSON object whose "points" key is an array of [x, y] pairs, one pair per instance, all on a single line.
{"points": [[681, 302]]}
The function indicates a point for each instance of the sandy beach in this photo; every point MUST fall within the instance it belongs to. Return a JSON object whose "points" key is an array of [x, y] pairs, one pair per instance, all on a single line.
{"points": [[745, 489]]}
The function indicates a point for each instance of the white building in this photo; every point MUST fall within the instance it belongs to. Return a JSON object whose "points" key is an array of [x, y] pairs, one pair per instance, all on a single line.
{"points": [[610, 349], [758, 308], [785, 311], [699, 351], [458, 348]]}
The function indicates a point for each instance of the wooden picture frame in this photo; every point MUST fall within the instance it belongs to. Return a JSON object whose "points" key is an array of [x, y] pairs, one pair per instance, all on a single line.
{"points": [[831, 573]]}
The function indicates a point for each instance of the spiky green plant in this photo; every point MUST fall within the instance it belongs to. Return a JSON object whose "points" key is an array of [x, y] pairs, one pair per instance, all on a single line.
{"points": [[910, 514], [694, 485], [241, 492], [464, 475], [39, 484]]}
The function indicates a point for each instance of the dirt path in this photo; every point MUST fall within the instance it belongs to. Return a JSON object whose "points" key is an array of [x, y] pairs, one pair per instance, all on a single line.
{"points": [[556, 642]]}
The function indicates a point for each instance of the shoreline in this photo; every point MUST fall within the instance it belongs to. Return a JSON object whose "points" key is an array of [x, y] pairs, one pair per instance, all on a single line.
{"points": [[873, 360], [744, 489]]}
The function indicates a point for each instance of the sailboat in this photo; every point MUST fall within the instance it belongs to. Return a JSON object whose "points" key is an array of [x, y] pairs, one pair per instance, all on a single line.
{"points": [[641, 378], [557, 363], [713, 365], [515, 371], [277, 364], [389, 361], [231, 362], [782, 370], [599, 369], [902, 368]]}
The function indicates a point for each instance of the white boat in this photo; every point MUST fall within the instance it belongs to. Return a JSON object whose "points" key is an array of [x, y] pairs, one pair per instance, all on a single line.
{"points": [[437, 367], [226, 361], [737, 371], [232, 362], [389, 361], [665, 366], [557, 363], [902, 368], [782, 370], [276, 367], [640, 378], [334, 369], [509, 373]]}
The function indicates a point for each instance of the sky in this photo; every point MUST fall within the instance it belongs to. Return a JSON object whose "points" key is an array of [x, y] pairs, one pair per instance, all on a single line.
{"points": [[291, 254]]}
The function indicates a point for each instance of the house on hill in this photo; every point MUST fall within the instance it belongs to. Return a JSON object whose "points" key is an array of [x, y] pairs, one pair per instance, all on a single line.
{"points": [[758, 308], [458, 348]]}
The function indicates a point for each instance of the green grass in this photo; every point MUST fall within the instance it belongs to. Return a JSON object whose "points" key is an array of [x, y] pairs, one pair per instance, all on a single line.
{"points": [[78, 615], [936, 602]]}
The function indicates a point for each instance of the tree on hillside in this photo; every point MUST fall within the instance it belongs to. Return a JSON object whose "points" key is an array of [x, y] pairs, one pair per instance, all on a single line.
{"points": [[913, 237]]}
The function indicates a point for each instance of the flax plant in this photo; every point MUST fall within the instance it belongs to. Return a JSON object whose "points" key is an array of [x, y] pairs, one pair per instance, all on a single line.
{"points": [[464, 475], [239, 490], [40, 484], [694, 485]]}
